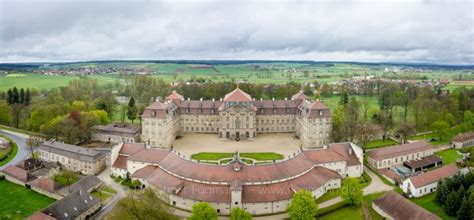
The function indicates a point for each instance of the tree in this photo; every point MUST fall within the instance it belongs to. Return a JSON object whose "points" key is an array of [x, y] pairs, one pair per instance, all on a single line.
{"points": [[140, 205], [203, 211], [240, 214], [385, 120], [405, 129], [351, 191], [442, 192], [344, 98], [5, 117], [32, 143], [453, 201], [351, 116], [302, 206], [27, 100], [464, 212], [442, 129], [22, 96], [132, 110]]}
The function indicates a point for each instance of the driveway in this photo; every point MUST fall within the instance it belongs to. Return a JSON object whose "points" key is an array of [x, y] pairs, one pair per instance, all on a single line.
{"points": [[20, 140], [121, 193]]}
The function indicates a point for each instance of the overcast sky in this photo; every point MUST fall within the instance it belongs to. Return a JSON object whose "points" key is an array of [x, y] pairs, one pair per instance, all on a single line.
{"points": [[371, 31]]}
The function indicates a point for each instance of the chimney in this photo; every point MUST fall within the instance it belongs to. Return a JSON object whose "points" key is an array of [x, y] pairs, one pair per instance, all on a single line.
{"points": [[189, 99], [286, 99], [350, 150], [261, 99], [200, 99], [157, 99], [213, 99], [220, 99], [273, 99]]}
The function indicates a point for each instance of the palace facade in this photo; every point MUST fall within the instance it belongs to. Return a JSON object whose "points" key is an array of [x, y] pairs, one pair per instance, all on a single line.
{"points": [[236, 117]]}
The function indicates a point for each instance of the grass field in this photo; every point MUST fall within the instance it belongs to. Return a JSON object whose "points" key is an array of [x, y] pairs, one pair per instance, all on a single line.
{"points": [[364, 181], [36, 81], [356, 211], [381, 143], [428, 202], [18, 202], [449, 156], [255, 156], [429, 137], [333, 102]]}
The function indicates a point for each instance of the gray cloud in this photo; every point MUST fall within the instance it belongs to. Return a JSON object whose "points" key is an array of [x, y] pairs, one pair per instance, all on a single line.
{"points": [[424, 31]]}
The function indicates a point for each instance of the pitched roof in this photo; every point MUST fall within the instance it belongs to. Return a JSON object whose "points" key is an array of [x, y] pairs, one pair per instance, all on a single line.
{"points": [[399, 150], [29, 163], [40, 216], [425, 161], [400, 208], [131, 148], [434, 175], [72, 205], [174, 95], [87, 183], [72, 151], [237, 96], [120, 162], [464, 137], [299, 95], [17, 173], [149, 155], [119, 128], [45, 184]]}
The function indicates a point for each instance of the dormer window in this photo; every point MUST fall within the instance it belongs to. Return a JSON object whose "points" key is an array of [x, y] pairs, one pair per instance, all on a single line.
{"points": [[153, 113], [200, 111], [320, 112], [262, 111], [212, 111], [274, 111], [287, 110]]}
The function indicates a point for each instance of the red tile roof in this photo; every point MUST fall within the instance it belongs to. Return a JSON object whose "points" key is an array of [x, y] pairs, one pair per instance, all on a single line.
{"points": [[174, 95], [120, 162], [17, 173], [464, 137], [434, 175], [40, 216], [400, 208], [237, 96], [399, 150], [149, 156], [300, 95], [45, 184], [131, 148]]}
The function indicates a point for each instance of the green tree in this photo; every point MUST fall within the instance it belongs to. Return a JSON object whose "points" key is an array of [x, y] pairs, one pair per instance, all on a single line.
{"points": [[240, 214], [132, 110], [452, 204], [464, 212], [302, 206], [203, 211], [344, 98], [140, 205], [5, 117], [27, 100], [442, 192], [351, 191], [442, 129]]}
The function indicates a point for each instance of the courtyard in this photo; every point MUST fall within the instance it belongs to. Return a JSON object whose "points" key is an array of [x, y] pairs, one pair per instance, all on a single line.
{"points": [[283, 143]]}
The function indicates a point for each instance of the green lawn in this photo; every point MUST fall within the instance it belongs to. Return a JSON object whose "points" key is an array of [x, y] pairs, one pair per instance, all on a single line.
{"points": [[218, 156], [11, 154], [18, 202], [263, 156], [37, 81], [381, 143], [429, 137], [428, 202], [449, 156], [354, 211], [333, 102], [61, 179], [211, 156]]}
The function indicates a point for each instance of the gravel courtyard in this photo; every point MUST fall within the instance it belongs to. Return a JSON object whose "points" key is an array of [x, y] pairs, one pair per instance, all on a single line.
{"points": [[283, 143]]}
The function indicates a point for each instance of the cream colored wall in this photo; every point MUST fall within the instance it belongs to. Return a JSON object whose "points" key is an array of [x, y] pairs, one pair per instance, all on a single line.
{"points": [[275, 123], [47, 193], [113, 138], [381, 212], [390, 162], [200, 123], [160, 132], [73, 164]]}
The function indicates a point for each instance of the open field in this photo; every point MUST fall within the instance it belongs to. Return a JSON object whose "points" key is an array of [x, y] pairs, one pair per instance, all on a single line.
{"points": [[449, 156], [428, 203], [333, 102], [36, 81], [18, 202]]}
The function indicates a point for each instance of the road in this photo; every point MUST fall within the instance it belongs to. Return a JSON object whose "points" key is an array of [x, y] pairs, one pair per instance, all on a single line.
{"points": [[20, 140], [121, 193]]}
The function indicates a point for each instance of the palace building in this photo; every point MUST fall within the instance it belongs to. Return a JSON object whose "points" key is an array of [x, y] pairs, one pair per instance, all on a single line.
{"points": [[236, 117]]}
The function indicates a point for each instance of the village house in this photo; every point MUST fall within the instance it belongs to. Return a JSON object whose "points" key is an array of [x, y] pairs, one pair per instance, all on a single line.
{"points": [[464, 140], [395, 155], [74, 158], [426, 183]]}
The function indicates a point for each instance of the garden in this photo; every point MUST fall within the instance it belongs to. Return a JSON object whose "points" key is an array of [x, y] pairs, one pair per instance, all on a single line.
{"points": [[248, 158]]}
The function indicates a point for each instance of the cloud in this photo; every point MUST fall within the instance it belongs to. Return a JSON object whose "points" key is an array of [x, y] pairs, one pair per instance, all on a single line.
{"points": [[405, 31]]}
